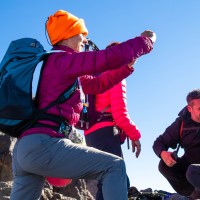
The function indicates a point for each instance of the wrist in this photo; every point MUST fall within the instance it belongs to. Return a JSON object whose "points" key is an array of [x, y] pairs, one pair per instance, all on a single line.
{"points": [[131, 67], [161, 153]]}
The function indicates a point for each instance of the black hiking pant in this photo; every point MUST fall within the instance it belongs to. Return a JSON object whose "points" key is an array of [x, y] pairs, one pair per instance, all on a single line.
{"points": [[176, 176]]}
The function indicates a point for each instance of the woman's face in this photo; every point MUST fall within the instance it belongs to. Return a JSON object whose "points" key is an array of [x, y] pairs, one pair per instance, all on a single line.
{"points": [[77, 42]]}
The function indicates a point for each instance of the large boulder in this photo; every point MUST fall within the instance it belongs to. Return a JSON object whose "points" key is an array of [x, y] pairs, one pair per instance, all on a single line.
{"points": [[6, 147], [77, 190]]}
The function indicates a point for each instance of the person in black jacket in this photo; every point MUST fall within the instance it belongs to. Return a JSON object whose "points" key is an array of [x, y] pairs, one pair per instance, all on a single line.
{"points": [[185, 130]]}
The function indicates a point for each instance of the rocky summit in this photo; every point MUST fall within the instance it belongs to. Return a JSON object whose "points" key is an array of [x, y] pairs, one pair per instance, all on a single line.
{"points": [[77, 190]]}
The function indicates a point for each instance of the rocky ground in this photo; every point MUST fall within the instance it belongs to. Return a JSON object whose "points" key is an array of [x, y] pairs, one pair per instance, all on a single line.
{"points": [[49, 193], [77, 190]]}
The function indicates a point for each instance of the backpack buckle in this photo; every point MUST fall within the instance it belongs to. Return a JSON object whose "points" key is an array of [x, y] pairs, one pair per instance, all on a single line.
{"points": [[65, 129]]}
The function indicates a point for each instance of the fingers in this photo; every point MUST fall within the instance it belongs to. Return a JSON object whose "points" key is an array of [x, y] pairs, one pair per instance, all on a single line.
{"points": [[170, 163], [136, 145], [133, 146], [150, 34], [138, 152], [167, 158]]}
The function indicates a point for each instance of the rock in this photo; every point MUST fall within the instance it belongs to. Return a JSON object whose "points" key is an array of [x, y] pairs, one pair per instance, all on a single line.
{"points": [[6, 147], [92, 187], [77, 190], [5, 188]]}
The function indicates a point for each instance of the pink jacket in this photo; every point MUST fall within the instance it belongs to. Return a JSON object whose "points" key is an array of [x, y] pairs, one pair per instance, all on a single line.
{"points": [[116, 99], [62, 69]]}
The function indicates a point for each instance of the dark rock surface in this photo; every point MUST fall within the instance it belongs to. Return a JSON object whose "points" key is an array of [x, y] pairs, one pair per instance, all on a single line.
{"points": [[77, 190]]}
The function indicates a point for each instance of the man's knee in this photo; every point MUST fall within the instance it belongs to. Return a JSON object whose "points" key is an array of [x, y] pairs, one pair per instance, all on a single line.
{"points": [[162, 167], [189, 172], [192, 175]]}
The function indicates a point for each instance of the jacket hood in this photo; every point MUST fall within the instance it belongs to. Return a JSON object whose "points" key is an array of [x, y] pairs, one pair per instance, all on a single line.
{"points": [[185, 114]]}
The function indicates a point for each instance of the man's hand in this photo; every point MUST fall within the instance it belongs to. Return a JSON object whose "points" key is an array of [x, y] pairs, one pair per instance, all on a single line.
{"points": [[136, 145], [167, 158]]}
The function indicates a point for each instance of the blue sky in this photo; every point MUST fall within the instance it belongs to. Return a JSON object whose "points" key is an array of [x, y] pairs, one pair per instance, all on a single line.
{"points": [[157, 89]]}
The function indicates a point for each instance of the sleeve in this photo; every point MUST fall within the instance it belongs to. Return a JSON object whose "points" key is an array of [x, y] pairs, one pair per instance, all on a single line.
{"points": [[105, 80], [77, 64], [120, 112], [169, 139]]}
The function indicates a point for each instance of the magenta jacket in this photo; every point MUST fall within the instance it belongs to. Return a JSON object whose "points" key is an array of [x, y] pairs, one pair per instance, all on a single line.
{"points": [[62, 69], [115, 99]]}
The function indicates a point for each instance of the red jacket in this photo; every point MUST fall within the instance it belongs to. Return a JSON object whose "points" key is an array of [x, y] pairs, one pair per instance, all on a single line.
{"points": [[116, 99]]}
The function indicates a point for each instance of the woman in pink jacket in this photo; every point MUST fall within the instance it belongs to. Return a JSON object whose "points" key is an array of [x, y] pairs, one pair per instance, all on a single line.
{"points": [[105, 134], [98, 135]]}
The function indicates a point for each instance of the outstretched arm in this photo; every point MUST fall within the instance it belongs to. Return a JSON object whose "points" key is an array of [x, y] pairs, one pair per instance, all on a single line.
{"points": [[105, 80]]}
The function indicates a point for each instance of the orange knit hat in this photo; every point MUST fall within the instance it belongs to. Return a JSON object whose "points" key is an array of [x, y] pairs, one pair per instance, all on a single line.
{"points": [[63, 25]]}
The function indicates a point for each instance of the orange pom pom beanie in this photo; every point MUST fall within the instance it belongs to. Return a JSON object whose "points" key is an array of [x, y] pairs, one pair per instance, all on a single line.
{"points": [[63, 25]]}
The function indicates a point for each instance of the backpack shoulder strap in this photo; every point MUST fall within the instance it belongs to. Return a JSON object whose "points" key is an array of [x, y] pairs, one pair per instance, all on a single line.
{"points": [[181, 129], [63, 97], [180, 133]]}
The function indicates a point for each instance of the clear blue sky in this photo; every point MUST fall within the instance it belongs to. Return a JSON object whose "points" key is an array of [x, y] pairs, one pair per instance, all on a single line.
{"points": [[156, 90]]}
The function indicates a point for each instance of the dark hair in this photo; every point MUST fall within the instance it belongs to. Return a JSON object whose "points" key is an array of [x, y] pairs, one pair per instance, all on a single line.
{"points": [[112, 44], [194, 94]]}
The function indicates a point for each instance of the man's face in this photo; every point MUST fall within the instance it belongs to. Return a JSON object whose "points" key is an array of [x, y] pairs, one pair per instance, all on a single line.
{"points": [[194, 110]]}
